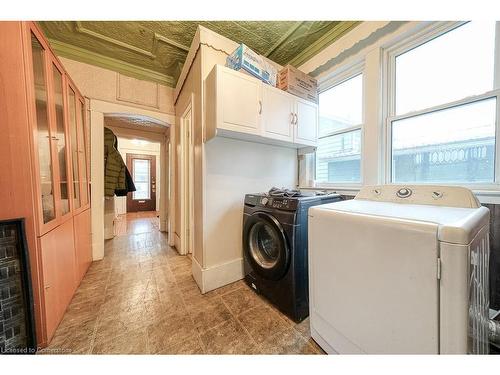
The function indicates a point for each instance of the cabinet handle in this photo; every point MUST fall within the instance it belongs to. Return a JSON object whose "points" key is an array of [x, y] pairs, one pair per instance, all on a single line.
{"points": [[292, 118], [296, 118], [47, 286], [260, 107]]}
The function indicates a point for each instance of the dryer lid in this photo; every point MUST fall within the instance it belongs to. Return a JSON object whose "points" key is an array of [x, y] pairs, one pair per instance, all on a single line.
{"points": [[455, 224]]}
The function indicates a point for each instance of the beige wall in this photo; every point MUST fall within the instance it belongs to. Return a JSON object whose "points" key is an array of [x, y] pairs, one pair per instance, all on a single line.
{"points": [[103, 84]]}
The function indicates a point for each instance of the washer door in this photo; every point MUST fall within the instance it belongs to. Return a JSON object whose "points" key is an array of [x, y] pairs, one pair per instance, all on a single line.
{"points": [[265, 246]]}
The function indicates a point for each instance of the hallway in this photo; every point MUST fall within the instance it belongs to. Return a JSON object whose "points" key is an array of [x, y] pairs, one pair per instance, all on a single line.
{"points": [[142, 299]]}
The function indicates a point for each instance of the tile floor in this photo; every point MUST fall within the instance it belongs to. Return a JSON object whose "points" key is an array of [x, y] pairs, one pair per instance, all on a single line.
{"points": [[142, 299]]}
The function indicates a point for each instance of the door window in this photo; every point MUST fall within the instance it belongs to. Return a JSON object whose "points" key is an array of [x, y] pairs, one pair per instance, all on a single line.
{"points": [[142, 179]]}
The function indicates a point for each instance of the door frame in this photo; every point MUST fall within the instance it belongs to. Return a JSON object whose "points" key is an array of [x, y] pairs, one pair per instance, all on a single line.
{"points": [[152, 168], [98, 109], [186, 180]]}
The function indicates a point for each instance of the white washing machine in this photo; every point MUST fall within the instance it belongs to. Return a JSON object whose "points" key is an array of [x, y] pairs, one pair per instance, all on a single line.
{"points": [[400, 269]]}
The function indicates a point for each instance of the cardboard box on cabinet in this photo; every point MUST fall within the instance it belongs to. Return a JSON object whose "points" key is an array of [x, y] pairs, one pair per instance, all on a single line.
{"points": [[298, 83], [245, 60]]}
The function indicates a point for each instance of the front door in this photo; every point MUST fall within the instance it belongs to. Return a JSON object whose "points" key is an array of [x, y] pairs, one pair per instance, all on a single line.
{"points": [[143, 171]]}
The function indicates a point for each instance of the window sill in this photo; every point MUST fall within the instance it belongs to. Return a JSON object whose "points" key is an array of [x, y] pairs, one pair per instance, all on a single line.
{"points": [[345, 190]]}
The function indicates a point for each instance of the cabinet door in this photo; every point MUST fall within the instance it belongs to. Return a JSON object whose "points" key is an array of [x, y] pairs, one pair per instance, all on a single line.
{"points": [[241, 102], [60, 140], [66, 263], [277, 114], [58, 266], [51, 295], [43, 134], [83, 247], [82, 152], [73, 131], [306, 122]]}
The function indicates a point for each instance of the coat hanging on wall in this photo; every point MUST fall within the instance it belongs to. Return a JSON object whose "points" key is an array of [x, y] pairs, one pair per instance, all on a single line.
{"points": [[117, 178]]}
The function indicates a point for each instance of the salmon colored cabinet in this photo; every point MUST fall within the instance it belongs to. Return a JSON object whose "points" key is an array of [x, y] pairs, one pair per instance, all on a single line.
{"points": [[83, 244], [44, 158], [59, 269]]}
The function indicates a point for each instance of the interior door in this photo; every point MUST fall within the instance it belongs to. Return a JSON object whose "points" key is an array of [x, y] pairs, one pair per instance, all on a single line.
{"points": [[143, 171], [277, 115]]}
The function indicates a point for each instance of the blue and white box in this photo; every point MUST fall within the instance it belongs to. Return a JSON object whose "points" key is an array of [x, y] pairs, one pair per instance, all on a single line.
{"points": [[243, 58]]}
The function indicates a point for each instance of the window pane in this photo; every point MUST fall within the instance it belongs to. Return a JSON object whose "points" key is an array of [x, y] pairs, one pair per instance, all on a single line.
{"points": [[43, 131], [61, 138], [341, 106], [450, 67], [338, 158], [141, 179], [83, 153], [447, 146], [74, 148]]}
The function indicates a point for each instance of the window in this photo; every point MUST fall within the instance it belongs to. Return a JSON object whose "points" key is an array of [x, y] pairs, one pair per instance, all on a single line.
{"points": [[443, 108], [338, 156], [141, 179]]}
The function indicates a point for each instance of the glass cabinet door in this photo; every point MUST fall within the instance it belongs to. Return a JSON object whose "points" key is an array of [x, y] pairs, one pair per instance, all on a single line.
{"points": [[44, 139], [60, 138], [83, 153], [72, 118]]}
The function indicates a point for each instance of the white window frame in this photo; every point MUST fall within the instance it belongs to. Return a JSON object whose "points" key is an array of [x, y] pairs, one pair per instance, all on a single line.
{"points": [[340, 76], [389, 97]]}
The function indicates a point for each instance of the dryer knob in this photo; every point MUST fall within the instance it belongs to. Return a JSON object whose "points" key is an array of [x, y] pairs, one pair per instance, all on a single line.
{"points": [[264, 201]]}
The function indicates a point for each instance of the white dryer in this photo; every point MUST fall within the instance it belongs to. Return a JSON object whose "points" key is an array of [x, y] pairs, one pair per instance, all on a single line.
{"points": [[400, 269]]}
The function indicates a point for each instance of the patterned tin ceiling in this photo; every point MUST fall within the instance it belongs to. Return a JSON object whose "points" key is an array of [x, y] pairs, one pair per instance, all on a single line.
{"points": [[156, 50], [135, 122]]}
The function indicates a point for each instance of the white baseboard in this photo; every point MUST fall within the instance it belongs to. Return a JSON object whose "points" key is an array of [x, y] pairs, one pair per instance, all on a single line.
{"points": [[177, 242], [197, 273], [163, 225], [97, 251], [217, 276]]}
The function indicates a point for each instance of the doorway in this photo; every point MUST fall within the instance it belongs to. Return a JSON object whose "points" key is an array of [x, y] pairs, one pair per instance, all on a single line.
{"points": [[142, 169]]}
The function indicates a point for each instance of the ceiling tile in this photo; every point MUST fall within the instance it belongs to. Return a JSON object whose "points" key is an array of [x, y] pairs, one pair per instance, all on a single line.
{"points": [[160, 47]]}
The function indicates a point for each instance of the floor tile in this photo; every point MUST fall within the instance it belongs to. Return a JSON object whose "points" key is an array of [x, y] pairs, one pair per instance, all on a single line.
{"points": [[241, 300], [76, 339], [208, 314], [228, 338], [287, 342], [141, 298], [172, 330], [133, 342], [114, 324], [190, 346], [262, 322]]}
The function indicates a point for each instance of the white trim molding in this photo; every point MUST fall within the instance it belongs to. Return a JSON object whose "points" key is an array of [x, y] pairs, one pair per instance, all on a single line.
{"points": [[217, 276]]}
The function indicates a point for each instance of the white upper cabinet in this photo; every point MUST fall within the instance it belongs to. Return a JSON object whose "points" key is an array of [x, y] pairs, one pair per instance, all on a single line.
{"points": [[237, 99], [277, 114], [306, 122], [240, 106]]}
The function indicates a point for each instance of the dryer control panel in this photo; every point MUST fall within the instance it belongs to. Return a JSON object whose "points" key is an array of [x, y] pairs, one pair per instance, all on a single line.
{"points": [[449, 196]]}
